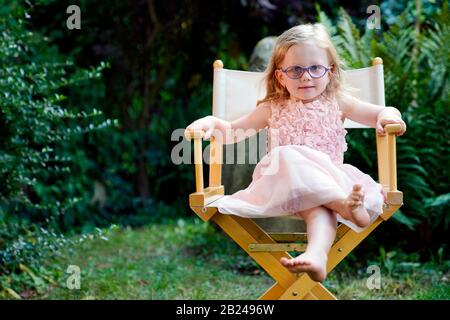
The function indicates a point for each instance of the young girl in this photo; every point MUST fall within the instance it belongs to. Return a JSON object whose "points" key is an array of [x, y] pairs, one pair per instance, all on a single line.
{"points": [[306, 104]]}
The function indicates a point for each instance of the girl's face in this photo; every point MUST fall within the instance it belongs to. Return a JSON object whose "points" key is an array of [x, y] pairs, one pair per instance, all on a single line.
{"points": [[306, 87]]}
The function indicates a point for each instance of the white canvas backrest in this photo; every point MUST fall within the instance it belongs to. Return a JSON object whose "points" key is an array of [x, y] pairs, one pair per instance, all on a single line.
{"points": [[235, 92]]}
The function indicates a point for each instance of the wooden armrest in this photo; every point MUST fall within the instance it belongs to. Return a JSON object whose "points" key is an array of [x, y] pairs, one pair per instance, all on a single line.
{"points": [[197, 135], [194, 134], [215, 167], [387, 157], [392, 128]]}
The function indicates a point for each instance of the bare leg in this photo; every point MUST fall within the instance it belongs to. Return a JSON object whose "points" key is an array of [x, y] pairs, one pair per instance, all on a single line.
{"points": [[352, 208], [321, 229]]}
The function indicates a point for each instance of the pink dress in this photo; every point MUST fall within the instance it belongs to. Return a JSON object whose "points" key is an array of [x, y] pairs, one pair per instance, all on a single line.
{"points": [[303, 167]]}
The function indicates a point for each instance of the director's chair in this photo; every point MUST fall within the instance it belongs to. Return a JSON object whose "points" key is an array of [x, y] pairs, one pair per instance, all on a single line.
{"points": [[235, 93]]}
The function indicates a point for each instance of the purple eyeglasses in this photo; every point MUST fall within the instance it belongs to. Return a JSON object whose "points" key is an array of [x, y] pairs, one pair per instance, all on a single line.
{"points": [[315, 71]]}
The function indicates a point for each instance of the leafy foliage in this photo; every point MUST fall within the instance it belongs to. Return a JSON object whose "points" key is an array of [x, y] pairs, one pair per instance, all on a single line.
{"points": [[33, 125], [416, 61]]}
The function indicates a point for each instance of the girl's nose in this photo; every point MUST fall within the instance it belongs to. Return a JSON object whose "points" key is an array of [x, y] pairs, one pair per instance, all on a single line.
{"points": [[305, 76]]}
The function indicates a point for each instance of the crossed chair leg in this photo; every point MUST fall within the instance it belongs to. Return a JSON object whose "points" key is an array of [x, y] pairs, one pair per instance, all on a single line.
{"points": [[290, 286]]}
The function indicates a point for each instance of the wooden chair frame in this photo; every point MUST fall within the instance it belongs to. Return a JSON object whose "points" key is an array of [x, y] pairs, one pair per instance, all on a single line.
{"points": [[249, 235]]}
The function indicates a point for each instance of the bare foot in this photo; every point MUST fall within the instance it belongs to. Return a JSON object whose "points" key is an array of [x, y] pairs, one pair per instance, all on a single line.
{"points": [[354, 207], [313, 263]]}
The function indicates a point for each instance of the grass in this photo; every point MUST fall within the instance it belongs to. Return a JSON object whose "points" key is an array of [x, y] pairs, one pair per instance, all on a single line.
{"points": [[189, 259]]}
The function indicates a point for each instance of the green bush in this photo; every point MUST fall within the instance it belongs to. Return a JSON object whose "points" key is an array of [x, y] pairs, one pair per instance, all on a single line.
{"points": [[416, 60], [33, 125]]}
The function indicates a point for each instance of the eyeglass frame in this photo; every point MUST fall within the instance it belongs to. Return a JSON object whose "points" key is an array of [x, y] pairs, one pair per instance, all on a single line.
{"points": [[305, 69]]}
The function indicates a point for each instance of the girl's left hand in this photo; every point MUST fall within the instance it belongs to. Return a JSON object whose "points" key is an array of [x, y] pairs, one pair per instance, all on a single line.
{"points": [[390, 120]]}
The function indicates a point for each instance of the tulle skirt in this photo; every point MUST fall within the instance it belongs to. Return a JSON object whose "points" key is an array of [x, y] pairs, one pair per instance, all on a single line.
{"points": [[293, 178]]}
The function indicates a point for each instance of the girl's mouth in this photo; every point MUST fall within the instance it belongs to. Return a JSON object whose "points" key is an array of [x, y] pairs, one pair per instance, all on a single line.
{"points": [[307, 87]]}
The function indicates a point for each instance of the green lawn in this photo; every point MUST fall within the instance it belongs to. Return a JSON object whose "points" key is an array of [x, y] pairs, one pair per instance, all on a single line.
{"points": [[188, 259]]}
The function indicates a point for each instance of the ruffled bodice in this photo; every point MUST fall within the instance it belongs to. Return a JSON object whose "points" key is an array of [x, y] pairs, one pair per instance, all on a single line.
{"points": [[304, 168], [316, 124]]}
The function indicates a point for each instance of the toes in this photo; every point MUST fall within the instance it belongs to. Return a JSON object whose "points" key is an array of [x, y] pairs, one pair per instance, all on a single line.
{"points": [[285, 262], [291, 269], [297, 268], [294, 263], [358, 190], [297, 262], [302, 262], [289, 263], [294, 266], [355, 204], [356, 201], [294, 269]]}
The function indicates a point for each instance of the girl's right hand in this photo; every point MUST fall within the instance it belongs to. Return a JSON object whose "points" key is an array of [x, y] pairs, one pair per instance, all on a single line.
{"points": [[205, 124]]}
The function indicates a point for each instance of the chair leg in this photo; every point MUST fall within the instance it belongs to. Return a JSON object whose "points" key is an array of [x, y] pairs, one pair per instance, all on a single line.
{"points": [[322, 293], [245, 232], [340, 249], [310, 296], [273, 293], [299, 289], [288, 285]]}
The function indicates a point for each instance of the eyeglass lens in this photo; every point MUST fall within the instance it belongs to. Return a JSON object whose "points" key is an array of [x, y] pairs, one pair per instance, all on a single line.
{"points": [[315, 71]]}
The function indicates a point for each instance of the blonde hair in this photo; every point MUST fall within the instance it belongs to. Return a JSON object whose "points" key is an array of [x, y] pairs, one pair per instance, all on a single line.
{"points": [[298, 34]]}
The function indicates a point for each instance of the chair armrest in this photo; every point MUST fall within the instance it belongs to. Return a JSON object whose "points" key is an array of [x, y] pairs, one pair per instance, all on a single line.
{"points": [[392, 128], [387, 163], [197, 135], [215, 166], [194, 134]]}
